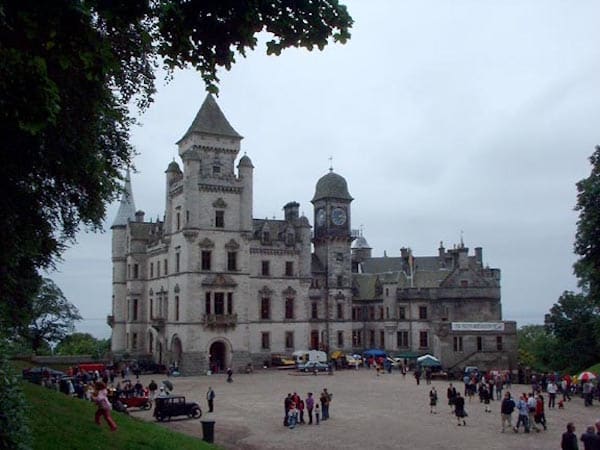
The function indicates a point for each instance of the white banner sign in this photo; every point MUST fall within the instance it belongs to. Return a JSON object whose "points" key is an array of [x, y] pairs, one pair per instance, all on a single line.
{"points": [[477, 326]]}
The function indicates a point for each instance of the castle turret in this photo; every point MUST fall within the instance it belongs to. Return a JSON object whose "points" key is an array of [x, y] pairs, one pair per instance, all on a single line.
{"points": [[245, 173], [125, 214]]}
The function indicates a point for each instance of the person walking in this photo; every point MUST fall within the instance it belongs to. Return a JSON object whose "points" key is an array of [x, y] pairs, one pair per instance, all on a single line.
{"points": [[459, 409], [451, 395], [540, 415], [569, 438], [531, 405], [506, 410], [523, 409], [152, 387], [433, 399], [100, 396], [551, 389], [210, 398], [229, 375], [485, 396]]}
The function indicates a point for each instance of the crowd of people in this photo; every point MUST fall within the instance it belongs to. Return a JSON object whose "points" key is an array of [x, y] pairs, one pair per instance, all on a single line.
{"points": [[299, 412]]}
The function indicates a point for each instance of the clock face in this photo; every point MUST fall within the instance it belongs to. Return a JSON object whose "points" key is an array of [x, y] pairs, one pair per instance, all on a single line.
{"points": [[321, 217], [338, 216]]}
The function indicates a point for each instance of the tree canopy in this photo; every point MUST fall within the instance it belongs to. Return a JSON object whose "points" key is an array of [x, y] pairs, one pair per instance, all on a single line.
{"points": [[70, 70], [587, 237]]}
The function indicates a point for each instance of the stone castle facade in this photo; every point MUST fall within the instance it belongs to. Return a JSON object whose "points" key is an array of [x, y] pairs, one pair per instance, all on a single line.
{"points": [[212, 286]]}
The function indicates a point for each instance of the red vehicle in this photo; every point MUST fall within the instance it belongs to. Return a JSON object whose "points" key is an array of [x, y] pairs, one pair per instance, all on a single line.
{"points": [[137, 402], [91, 367]]}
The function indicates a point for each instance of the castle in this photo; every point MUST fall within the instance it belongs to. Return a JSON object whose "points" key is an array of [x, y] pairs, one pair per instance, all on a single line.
{"points": [[211, 286]]}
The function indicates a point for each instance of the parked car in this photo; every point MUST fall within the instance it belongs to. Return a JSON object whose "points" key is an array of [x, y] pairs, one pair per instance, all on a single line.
{"points": [[313, 366], [175, 405]]}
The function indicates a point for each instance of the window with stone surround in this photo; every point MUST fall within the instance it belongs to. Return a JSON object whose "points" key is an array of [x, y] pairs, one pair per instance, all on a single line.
{"points": [[206, 259], [289, 268], [220, 219], [265, 308], [356, 338], [458, 343], [289, 308], [230, 303], [340, 311], [265, 340], [402, 339], [207, 307], [232, 261], [289, 339], [314, 310], [151, 270], [340, 339], [265, 268], [177, 262], [423, 312], [177, 308], [499, 344], [401, 313], [382, 339], [372, 338], [219, 303], [423, 339], [166, 267], [479, 343]]}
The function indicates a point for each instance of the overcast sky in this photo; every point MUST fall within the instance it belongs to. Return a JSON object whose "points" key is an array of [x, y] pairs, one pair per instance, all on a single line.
{"points": [[444, 117]]}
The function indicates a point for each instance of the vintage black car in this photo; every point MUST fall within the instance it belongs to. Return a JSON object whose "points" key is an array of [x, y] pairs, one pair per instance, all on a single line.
{"points": [[175, 405]]}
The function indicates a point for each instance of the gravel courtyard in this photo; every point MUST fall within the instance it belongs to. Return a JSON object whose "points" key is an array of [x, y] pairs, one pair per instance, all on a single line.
{"points": [[367, 411]]}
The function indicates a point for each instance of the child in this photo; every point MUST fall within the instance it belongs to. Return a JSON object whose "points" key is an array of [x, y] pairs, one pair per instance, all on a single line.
{"points": [[433, 398], [317, 413]]}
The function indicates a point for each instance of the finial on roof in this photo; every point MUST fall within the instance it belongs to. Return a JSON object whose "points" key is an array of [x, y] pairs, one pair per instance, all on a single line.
{"points": [[331, 163], [462, 243]]}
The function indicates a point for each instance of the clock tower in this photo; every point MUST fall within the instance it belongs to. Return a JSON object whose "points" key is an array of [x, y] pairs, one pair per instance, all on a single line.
{"points": [[332, 239]]}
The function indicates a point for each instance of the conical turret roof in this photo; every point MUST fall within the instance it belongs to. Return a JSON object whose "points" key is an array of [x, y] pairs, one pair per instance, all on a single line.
{"points": [[210, 119], [127, 207]]}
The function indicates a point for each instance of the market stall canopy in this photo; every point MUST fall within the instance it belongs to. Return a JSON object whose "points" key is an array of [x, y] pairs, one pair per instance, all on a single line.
{"points": [[408, 355], [374, 353], [428, 361]]}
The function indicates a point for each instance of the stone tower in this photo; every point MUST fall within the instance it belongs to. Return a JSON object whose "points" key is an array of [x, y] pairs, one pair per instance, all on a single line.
{"points": [[332, 239]]}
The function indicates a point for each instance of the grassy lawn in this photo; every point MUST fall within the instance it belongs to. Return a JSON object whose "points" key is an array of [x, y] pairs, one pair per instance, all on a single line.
{"points": [[60, 422]]}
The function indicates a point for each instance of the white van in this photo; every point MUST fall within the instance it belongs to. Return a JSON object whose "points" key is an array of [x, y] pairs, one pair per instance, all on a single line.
{"points": [[304, 356]]}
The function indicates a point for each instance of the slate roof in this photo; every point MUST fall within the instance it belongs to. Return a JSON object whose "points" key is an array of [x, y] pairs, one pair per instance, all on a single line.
{"points": [[210, 119], [126, 210], [332, 185]]}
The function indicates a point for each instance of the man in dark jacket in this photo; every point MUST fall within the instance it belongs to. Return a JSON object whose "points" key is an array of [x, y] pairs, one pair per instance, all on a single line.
{"points": [[569, 438], [506, 409]]}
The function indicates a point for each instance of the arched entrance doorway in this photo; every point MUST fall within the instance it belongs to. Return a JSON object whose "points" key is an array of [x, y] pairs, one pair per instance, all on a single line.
{"points": [[176, 351], [217, 356]]}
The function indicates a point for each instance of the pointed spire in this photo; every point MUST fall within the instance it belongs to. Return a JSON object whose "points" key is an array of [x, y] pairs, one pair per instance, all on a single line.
{"points": [[127, 207], [210, 119]]}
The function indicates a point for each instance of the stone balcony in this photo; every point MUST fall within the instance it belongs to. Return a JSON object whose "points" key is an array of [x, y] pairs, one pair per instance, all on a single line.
{"points": [[220, 320]]}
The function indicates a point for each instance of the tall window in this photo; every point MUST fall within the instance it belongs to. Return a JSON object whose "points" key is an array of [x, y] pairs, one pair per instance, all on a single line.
{"points": [[232, 261], [158, 268], [402, 339], [314, 310], [230, 303], [381, 313], [340, 281], [206, 257], [166, 267], [289, 308], [289, 339], [423, 312], [265, 340], [219, 303], [151, 308], [220, 219], [207, 307], [135, 309], [499, 344], [371, 313], [340, 311], [423, 339], [356, 338], [289, 268], [340, 339], [178, 220], [151, 270], [479, 343], [458, 343], [265, 308], [136, 269], [177, 260], [134, 341], [382, 338], [372, 338], [177, 308], [265, 268]]}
